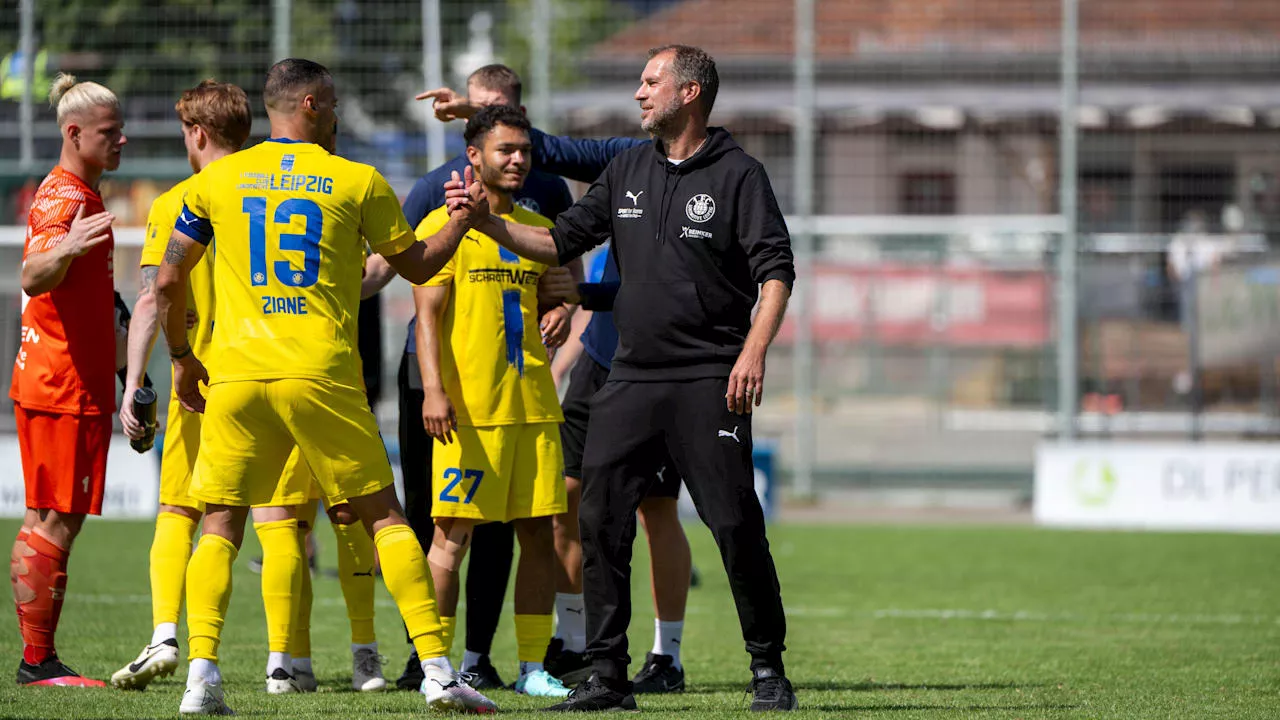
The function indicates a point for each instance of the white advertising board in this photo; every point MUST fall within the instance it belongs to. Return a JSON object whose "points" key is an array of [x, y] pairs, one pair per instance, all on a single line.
{"points": [[1159, 486], [133, 481]]}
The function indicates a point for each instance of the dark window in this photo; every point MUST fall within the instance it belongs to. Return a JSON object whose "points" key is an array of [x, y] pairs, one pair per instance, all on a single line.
{"points": [[1105, 202], [1192, 197], [927, 194]]}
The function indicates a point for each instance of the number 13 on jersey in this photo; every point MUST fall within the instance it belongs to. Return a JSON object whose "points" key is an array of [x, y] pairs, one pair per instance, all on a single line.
{"points": [[306, 242]]}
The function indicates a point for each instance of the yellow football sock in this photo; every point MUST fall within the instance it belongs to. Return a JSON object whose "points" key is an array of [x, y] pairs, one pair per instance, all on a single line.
{"points": [[355, 574], [170, 553], [447, 627], [533, 634], [208, 592], [300, 634], [404, 570], [281, 578]]}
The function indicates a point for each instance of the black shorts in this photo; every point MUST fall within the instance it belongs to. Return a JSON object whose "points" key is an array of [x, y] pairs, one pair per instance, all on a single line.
{"points": [[585, 379]]}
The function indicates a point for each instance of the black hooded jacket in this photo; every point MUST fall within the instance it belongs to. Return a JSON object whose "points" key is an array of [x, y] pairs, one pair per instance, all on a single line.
{"points": [[694, 241]]}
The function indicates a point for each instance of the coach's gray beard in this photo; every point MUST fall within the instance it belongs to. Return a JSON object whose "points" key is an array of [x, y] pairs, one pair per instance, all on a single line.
{"points": [[661, 124]]}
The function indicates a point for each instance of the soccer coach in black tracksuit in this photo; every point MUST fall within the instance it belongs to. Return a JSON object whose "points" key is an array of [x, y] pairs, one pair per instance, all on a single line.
{"points": [[696, 229]]}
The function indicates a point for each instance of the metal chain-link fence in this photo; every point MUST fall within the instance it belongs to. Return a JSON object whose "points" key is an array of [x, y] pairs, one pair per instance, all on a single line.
{"points": [[915, 145]]}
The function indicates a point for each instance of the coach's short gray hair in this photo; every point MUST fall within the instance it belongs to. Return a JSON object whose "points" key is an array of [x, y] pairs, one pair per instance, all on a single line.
{"points": [[693, 64]]}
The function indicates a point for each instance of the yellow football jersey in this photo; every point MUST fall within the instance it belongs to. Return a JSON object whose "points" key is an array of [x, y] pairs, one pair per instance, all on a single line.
{"points": [[492, 361], [160, 221], [291, 222]]}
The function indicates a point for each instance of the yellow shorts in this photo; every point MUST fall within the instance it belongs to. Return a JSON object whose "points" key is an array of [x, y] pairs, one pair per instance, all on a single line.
{"points": [[181, 444], [178, 463], [499, 473], [252, 426], [297, 474]]}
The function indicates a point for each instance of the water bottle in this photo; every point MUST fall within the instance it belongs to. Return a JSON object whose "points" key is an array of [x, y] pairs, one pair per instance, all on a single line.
{"points": [[144, 409]]}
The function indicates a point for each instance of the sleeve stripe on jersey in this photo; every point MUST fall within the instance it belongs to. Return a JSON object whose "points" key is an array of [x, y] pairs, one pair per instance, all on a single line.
{"points": [[194, 226]]}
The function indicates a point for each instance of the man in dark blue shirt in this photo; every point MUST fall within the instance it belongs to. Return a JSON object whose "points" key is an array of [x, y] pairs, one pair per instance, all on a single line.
{"points": [[583, 160], [492, 544]]}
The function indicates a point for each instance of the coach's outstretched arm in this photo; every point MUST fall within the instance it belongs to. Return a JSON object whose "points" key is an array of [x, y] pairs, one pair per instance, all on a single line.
{"points": [[577, 230], [180, 256]]}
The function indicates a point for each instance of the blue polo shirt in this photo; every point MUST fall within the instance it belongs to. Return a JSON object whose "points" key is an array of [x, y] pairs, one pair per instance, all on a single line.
{"points": [[546, 194]]}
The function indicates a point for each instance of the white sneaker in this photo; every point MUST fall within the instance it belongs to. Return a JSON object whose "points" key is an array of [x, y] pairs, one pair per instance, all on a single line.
{"points": [[280, 682], [366, 671], [306, 680], [447, 691], [154, 661], [203, 699]]}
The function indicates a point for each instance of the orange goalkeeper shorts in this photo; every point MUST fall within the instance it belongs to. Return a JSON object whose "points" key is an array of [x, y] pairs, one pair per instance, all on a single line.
{"points": [[64, 459]]}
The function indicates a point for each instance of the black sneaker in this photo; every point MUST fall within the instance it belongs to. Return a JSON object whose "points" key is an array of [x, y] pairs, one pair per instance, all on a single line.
{"points": [[411, 678], [483, 675], [595, 694], [567, 666], [772, 691], [53, 672], [658, 675]]}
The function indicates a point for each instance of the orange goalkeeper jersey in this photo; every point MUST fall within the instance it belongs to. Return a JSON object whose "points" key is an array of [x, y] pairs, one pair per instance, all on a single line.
{"points": [[67, 360]]}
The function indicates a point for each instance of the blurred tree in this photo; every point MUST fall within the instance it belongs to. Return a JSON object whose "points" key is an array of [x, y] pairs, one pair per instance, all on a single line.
{"points": [[575, 25], [157, 49]]}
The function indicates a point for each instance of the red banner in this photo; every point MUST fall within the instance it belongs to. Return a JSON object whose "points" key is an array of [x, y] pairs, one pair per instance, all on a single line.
{"points": [[913, 305]]}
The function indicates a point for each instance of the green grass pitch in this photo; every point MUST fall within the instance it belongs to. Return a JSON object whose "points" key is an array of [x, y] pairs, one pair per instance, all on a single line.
{"points": [[884, 622]]}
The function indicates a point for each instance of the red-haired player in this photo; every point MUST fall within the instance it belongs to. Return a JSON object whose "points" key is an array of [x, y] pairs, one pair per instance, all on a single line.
{"points": [[64, 377]]}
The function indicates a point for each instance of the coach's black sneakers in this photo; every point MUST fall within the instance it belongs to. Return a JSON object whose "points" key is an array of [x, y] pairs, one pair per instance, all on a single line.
{"points": [[596, 694], [53, 672], [567, 666], [658, 675], [483, 675], [411, 678], [770, 690]]}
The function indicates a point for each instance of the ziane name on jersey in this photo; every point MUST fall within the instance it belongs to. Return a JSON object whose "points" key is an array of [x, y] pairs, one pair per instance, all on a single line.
{"points": [[272, 305], [286, 182]]}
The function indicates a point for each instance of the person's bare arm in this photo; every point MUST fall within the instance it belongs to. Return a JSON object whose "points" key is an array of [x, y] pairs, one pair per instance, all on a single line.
{"points": [[534, 243], [438, 416], [447, 104], [567, 355], [424, 258], [377, 273], [555, 321], [746, 381], [143, 328], [574, 267], [44, 270], [180, 256]]}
